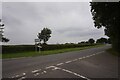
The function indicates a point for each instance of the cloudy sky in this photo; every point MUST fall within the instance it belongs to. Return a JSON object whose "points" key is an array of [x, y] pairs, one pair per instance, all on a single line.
{"points": [[69, 21]]}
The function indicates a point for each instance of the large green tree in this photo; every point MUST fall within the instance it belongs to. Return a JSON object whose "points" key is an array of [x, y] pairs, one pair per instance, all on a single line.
{"points": [[44, 35], [106, 14]]}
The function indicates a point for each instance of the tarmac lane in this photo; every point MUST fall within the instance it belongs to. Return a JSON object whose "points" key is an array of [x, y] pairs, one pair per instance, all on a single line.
{"points": [[86, 64]]}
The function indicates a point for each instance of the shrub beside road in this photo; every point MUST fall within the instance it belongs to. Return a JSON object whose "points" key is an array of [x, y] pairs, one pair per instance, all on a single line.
{"points": [[47, 52], [29, 48]]}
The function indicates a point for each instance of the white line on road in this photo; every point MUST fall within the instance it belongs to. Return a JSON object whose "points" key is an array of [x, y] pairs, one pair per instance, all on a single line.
{"points": [[35, 71], [75, 60], [68, 61], [94, 54], [56, 68], [60, 64], [80, 58], [22, 78], [76, 74], [36, 74], [44, 72], [83, 57], [49, 67], [68, 71], [24, 73], [87, 56]]}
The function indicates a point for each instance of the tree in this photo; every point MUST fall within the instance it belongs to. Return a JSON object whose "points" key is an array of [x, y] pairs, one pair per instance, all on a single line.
{"points": [[2, 38], [5, 39], [82, 42], [108, 15], [102, 40], [109, 41], [91, 40], [44, 35]]}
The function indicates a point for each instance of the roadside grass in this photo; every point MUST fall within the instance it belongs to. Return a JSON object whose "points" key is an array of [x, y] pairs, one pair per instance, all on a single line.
{"points": [[111, 51], [33, 53]]}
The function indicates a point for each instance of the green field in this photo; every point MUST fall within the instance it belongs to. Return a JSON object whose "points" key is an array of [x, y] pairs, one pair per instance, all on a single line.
{"points": [[49, 52]]}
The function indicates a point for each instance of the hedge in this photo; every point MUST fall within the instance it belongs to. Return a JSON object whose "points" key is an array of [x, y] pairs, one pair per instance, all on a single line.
{"points": [[17, 48], [26, 48]]}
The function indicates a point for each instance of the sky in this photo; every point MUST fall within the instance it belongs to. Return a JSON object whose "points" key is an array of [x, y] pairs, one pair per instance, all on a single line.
{"points": [[68, 21]]}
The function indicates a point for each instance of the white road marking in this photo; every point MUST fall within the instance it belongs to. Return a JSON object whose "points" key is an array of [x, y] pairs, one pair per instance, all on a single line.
{"points": [[83, 57], [44, 72], [80, 58], [24, 73], [67, 71], [35, 71], [12, 77], [76, 74], [17, 76], [56, 68], [21, 78], [94, 54], [91, 55], [87, 56], [75, 60], [36, 74], [60, 64], [49, 67], [68, 61]]}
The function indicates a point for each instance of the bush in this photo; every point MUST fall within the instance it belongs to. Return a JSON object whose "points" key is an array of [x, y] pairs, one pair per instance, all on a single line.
{"points": [[17, 48], [63, 46], [26, 48]]}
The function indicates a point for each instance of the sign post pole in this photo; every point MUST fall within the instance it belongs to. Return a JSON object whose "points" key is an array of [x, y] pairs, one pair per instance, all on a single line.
{"points": [[37, 41]]}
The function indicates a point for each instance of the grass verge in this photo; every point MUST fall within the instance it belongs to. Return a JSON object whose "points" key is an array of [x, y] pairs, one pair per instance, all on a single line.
{"points": [[32, 54], [111, 51]]}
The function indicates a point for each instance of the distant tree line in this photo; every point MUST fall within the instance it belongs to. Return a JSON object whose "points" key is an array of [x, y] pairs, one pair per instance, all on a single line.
{"points": [[100, 40], [104, 40]]}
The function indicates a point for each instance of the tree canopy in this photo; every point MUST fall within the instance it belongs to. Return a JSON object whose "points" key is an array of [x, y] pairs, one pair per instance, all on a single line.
{"points": [[102, 40], [44, 35], [107, 15], [5, 39], [91, 40]]}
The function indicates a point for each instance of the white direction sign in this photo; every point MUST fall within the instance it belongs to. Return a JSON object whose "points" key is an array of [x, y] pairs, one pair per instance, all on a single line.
{"points": [[37, 40]]}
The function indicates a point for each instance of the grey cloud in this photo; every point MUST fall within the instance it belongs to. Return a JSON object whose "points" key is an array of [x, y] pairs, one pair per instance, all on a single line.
{"points": [[84, 33], [69, 22]]}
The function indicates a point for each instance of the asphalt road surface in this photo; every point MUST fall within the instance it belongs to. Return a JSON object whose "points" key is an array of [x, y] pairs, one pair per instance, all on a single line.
{"points": [[84, 64]]}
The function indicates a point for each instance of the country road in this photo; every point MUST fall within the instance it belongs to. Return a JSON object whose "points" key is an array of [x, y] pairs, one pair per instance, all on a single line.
{"points": [[86, 64]]}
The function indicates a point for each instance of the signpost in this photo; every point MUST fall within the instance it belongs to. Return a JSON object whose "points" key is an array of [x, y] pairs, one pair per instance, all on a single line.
{"points": [[36, 42]]}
